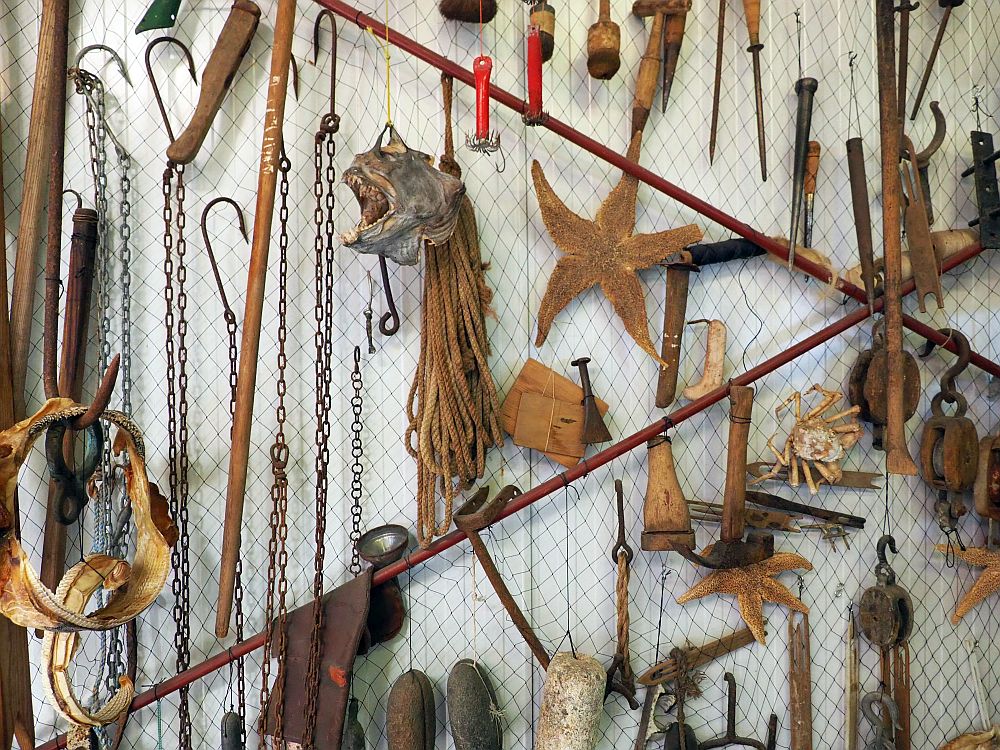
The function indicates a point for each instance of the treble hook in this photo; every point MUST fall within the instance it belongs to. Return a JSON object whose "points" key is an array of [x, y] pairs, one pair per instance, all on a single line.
{"points": [[331, 121], [388, 324], [152, 78], [114, 56], [229, 315]]}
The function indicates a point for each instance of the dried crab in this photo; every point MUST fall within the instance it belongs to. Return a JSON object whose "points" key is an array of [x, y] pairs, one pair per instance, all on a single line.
{"points": [[815, 439]]}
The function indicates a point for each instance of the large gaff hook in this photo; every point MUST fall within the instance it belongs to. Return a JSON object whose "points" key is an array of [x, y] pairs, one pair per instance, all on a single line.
{"points": [[331, 121], [948, 393], [230, 316], [152, 78], [111, 53]]}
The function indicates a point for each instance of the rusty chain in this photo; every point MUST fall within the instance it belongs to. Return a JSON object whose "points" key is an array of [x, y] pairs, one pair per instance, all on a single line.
{"points": [[276, 613], [357, 451]]}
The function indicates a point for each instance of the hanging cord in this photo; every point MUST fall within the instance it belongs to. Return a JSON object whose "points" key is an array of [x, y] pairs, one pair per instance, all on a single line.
{"points": [[622, 553], [453, 406], [852, 102], [664, 572], [388, 65], [798, 37], [568, 635]]}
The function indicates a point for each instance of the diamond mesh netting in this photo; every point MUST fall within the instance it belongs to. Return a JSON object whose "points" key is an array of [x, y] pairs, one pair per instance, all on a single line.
{"points": [[554, 556]]}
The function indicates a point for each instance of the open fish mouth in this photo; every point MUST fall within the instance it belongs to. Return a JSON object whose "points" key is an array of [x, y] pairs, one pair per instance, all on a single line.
{"points": [[376, 205]]}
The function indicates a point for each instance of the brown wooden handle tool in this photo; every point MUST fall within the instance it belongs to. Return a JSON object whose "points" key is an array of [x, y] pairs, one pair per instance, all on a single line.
{"points": [[604, 45], [862, 215], [72, 368], [751, 9], [666, 670], [645, 82], [812, 173], [267, 181], [734, 499], [678, 275], [673, 41], [666, 520], [232, 45]]}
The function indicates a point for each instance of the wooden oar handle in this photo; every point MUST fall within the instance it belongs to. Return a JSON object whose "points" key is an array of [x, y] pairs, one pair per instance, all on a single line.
{"points": [[673, 332], [751, 8], [232, 45], [812, 167], [734, 500]]}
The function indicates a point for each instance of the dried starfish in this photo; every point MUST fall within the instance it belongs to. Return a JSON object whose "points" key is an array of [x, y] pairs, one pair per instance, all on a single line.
{"points": [[986, 585], [604, 251], [752, 585]]}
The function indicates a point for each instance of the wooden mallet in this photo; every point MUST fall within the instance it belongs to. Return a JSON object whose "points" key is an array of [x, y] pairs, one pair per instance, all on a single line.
{"points": [[604, 45]]}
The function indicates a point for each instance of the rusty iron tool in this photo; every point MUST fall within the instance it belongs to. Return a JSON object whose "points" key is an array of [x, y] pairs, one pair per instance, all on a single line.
{"points": [[923, 259], [697, 656], [830, 532], [799, 682], [948, 6], [772, 520], [751, 9], [675, 311], [732, 550], [987, 195], [730, 737], [812, 172], [594, 429], [477, 513], [904, 9], [862, 480], [673, 40], [923, 158], [898, 458], [230, 48], [717, 85], [805, 90], [862, 216], [648, 727], [767, 500]]}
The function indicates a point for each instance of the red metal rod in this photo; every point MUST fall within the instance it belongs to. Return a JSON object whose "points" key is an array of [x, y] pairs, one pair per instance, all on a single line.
{"points": [[617, 450], [642, 174]]}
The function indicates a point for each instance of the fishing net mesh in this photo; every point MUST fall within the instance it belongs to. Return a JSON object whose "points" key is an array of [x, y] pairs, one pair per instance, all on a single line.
{"points": [[554, 556]]}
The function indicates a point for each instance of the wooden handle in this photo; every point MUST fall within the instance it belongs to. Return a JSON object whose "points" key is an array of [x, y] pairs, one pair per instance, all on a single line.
{"points": [[72, 370], [649, 8], [898, 459], [256, 276], [604, 11], [751, 8], [666, 670], [673, 332], [812, 167], [734, 500], [232, 45], [666, 518], [645, 83], [862, 214]]}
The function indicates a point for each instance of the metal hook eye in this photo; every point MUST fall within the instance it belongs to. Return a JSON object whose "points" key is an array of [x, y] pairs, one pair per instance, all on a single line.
{"points": [[333, 51], [79, 198], [208, 243], [388, 324], [152, 78], [111, 53]]}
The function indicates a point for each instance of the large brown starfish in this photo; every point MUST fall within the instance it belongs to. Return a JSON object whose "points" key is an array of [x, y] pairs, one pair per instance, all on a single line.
{"points": [[752, 585], [986, 585], [604, 251]]}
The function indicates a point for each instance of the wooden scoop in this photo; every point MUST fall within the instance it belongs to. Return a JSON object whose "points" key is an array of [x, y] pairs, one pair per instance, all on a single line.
{"points": [[233, 43]]}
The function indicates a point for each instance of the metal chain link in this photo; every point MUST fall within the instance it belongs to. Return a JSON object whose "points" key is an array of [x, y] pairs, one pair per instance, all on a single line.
{"points": [[357, 451], [276, 614], [175, 273]]}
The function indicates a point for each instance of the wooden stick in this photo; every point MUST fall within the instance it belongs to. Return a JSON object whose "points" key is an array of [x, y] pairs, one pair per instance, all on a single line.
{"points": [[666, 670], [247, 383], [50, 83], [898, 459], [16, 712], [646, 80], [852, 688], [799, 682]]}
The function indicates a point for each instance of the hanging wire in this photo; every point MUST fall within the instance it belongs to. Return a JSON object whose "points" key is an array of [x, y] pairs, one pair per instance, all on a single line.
{"points": [[798, 37], [852, 102], [388, 64]]}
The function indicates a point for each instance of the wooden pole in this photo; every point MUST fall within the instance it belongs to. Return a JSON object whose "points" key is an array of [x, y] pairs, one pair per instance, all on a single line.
{"points": [[50, 83], [16, 712], [239, 457]]}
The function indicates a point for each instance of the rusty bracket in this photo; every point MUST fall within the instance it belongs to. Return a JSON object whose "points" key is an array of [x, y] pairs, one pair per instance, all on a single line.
{"points": [[984, 157]]}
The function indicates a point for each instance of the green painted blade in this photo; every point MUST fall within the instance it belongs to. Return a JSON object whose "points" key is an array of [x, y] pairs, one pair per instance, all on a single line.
{"points": [[161, 15]]}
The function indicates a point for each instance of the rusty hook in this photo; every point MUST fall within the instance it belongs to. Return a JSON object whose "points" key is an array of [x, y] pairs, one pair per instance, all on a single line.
{"points": [[331, 121], [948, 392], [152, 78], [79, 198], [111, 53], [621, 545], [940, 133], [295, 76], [229, 315], [102, 398], [388, 324]]}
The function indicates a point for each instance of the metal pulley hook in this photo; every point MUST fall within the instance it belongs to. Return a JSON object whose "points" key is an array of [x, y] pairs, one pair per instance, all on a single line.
{"points": [[948, 393], [152, 78], [388, 324], [331, 120], [230, 316]]}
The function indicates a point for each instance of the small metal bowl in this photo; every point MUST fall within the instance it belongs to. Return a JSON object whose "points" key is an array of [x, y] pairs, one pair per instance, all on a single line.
{"points": [[384, 545]]}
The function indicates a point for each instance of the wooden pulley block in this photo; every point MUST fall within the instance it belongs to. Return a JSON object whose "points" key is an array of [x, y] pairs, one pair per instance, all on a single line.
{"points": [[868, 382], [949, 447], [886, 611], [987, 488]]}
